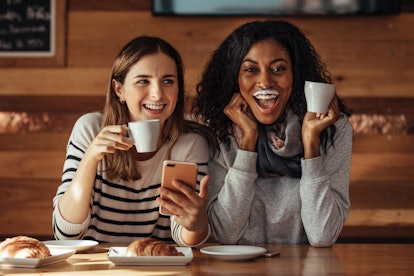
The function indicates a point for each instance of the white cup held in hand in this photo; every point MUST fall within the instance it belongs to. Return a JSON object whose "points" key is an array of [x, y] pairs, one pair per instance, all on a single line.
{"points": [[144, 134], [318, 96]]}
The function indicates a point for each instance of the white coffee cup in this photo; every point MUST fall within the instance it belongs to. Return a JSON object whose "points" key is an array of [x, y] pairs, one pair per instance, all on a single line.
{"points": [[318, 96], [144, 134]]}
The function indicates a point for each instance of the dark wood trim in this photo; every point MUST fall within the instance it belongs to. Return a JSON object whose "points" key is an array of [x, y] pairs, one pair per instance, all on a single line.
{"points": [[396, 194], [406, 5], [377, 234], [380, 143], [58, 104], [109, 5], [381, 105], [46, 141]]}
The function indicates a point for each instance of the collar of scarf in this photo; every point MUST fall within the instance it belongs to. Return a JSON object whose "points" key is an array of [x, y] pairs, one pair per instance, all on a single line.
{"points": [[280, 148]]}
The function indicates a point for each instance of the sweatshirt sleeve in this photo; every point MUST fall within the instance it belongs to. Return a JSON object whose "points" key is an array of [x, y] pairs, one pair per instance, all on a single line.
{"points": [[324, 188], [232, 195]]}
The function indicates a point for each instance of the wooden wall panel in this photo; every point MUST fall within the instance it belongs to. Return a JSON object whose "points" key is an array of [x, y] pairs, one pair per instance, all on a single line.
{"points": [[369, 144], [26, 207], [392, 195], [376, 70], [380, 166], [380, 55], [31, 164], [202, 34], [54, 81], [41, 141]]}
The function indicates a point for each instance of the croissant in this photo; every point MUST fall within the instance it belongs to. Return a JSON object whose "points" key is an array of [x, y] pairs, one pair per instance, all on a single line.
{"points": [[23, 247], [151, 247]]}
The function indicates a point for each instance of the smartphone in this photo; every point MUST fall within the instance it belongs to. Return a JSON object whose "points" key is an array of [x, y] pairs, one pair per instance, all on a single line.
{"points": [[178, 170]]}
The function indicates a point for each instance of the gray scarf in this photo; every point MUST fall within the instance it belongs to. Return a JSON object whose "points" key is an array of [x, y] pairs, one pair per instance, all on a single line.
{"points": [[280, 148]]}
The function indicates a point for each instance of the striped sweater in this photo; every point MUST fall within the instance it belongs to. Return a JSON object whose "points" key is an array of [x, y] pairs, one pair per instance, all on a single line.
{"points": [[122, 211]]}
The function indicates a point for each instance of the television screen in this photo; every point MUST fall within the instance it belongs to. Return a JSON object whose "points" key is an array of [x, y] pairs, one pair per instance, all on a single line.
{"points": [[274, 7]]}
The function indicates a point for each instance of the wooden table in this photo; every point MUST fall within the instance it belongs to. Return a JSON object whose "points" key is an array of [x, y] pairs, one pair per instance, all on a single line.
{"points": [[349, 259]]}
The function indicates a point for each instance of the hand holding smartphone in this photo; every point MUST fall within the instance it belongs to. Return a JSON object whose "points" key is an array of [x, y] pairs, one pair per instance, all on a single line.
{"points": [[185, 172]]}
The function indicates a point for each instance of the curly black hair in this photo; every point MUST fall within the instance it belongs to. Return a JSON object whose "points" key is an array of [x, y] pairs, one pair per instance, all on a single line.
{"points": [[219, 80]]}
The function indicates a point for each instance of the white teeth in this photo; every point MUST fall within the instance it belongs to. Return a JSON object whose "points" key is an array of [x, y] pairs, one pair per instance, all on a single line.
{"points": [[154, 106], [266, 94]]}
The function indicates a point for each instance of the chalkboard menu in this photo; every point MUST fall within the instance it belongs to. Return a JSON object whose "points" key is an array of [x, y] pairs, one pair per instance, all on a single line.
{"points": [[27, 28], [32, 33]]}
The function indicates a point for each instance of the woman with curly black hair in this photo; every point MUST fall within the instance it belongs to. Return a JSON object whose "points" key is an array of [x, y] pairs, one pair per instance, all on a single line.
{"points": [[282, 175]]}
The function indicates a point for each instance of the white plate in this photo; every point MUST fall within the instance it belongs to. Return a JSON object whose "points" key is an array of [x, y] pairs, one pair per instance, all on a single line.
{"points": [[233, 252], [58, 255], [117, 255], [77, 245]]}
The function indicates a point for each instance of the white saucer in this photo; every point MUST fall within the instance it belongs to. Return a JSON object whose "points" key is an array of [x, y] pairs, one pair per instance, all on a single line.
{"points": [[78, 245], [233, 252]]}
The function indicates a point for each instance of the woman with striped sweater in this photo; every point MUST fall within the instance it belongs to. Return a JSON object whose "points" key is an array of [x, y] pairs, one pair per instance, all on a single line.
{"points": [[109, 191]]}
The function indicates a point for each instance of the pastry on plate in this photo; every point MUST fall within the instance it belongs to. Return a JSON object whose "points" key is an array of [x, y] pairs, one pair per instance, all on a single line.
{"points": [[23, 247], [151, 247]]}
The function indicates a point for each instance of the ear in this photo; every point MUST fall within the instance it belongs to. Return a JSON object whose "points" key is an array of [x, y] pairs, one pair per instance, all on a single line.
{"points": [[117, 86]]}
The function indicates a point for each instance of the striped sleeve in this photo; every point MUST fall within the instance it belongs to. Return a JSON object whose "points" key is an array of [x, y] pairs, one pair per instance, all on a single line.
{"points": [[84, 131], [190, 148]]}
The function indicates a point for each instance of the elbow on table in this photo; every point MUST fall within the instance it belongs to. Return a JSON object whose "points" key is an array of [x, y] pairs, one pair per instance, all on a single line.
{"points": [[321, 243], [323, 234], [321, 239]]}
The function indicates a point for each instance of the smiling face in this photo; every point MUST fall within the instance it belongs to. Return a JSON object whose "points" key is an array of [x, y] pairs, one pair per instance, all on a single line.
{"points": [[150, 88], [266, 79]]}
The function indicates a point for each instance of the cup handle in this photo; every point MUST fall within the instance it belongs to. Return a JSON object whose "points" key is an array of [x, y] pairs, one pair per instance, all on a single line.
{"points": [[130, 136]]}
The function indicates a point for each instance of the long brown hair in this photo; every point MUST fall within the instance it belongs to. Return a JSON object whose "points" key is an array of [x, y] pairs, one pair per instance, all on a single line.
{"points": [[121, 164]]}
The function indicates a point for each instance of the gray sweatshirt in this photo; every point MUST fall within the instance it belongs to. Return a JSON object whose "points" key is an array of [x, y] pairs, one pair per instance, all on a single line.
{"points": [[247, 209]]}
